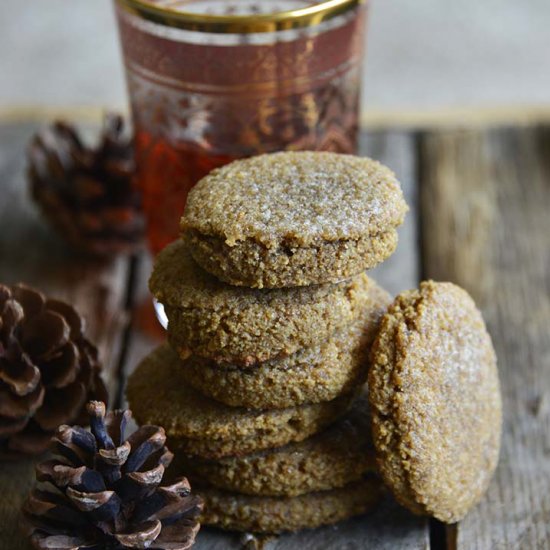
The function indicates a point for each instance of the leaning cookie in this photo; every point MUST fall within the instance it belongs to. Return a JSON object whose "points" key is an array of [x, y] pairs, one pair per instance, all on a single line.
{"points": [[436, 401], [333, 458], [293, 219], [159, 394], [334, 367], [237, 512], [245, 326]]}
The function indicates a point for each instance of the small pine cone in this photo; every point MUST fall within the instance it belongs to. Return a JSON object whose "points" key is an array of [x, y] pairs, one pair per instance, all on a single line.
{"points": [[87, 194], [48, 369], [102, 490]]}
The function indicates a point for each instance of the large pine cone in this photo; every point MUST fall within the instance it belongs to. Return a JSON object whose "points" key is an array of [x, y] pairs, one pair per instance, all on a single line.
{"points": [[48, 369], [103, 491], [87, 194]]}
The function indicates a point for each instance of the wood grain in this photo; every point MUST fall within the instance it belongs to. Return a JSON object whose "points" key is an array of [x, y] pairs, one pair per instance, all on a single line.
{"points": [[31, 253], [485, 202], [398, 151], [390, 527]]}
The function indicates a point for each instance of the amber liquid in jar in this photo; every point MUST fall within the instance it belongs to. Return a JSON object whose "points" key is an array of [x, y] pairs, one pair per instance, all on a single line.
{"points": [[166, 174], [200, 100]]}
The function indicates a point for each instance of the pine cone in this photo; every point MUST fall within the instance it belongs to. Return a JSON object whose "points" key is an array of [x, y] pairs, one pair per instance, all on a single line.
{"points": [[87, 194], [48, 369], [102, 491]]}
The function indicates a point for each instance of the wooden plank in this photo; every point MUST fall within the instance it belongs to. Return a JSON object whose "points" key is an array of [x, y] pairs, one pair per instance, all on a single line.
{"points": [[390, 527], [485, 203], [30, 252], [398, 151]]}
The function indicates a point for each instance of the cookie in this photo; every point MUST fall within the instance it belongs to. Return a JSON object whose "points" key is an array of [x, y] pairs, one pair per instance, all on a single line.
{"points": [[436, 403], [244, 326], [293, 219], [158, 393], [333, 458], [321, 373], [237, 512]]}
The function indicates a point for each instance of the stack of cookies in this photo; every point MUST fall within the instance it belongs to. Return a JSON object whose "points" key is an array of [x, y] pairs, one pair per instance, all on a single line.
{"points": [[271, 320], [261, 386]]}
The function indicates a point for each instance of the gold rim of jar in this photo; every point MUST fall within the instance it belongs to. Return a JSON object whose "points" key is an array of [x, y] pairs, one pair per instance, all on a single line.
{"points": [[240, 24]]}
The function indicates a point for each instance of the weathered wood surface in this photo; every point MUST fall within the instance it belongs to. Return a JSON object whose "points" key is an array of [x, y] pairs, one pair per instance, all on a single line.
{"points": [[485, 203], [31, 253]]}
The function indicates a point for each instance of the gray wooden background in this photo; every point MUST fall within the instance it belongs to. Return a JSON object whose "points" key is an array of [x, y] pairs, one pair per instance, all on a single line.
{"points": [[421, 55]]}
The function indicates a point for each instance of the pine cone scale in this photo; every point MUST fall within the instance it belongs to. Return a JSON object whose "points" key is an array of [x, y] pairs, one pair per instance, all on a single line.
{"points": [[176, 537], [115, 425], [180, 508], [102, 506], [138, 485], [73, 319], [53, 510], [151, 478], [169, 502], [63, 369], [19, 406], [146, 441], [61, 542], [62, 475], [12, 314], [44, 334], [75, 444], [117, 456], [143, 536], [37, 504], [31, 300], [21, 376]]}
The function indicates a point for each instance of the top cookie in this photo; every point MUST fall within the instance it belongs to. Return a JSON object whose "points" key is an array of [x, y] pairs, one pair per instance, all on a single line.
{"points": [[435, 397], [293, 218]]}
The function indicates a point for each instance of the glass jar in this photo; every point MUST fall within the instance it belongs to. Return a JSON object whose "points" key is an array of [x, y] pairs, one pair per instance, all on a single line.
{"points": [[211, 81]]}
